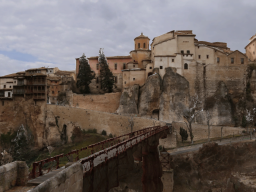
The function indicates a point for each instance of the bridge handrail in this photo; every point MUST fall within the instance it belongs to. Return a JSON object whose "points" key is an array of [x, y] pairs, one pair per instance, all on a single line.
{"points": [[39, 164], [146, 135]]}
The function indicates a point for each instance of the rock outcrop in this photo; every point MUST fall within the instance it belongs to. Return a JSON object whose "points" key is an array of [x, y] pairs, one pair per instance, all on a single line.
{"points": [[175, 96], [214, 167], [220, 106], [149, 96], [129, 100]]}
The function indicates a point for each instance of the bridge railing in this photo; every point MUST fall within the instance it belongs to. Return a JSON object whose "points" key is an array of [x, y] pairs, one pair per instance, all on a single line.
{"points": [[38, 167], [121, 147]]}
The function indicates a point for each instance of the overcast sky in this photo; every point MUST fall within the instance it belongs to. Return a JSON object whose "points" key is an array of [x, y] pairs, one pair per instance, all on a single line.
{"points": [[36, 33]]}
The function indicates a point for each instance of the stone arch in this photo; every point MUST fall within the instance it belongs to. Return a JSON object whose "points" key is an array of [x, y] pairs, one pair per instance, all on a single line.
{"points": [[155, 114]]}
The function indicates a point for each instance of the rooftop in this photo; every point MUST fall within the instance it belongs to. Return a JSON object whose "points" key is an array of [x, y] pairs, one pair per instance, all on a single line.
{"points": [[141, 36], [112, 57]]}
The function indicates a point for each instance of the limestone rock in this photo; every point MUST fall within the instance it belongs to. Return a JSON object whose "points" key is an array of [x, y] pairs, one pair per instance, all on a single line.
{"points": [[175, 96], [129, 100], [220, 107], [149, 96]]}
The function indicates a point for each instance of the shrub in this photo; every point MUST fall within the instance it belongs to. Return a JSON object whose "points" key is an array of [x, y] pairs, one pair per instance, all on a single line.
{"points": [[104, 132], [110, 135], [183, 134], [244, 122], [160, 147]]}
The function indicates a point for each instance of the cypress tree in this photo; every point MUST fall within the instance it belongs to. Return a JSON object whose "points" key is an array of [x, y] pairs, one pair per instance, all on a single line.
{"points": [[85, 75], [106, 76]]}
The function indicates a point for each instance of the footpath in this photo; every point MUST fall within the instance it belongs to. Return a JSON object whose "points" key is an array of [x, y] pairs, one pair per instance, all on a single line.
{"points": [[196, 147]]}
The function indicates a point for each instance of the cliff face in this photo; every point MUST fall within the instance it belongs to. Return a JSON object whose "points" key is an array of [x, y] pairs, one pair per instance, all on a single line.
{"points": [[175, 96], [129, 100], [19, 112], [149, 96], [168, 99], [228, 168]]}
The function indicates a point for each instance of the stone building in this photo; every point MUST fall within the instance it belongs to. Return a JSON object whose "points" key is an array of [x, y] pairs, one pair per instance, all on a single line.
{"points": [[59, 82], [251, 48], [116, 65]]}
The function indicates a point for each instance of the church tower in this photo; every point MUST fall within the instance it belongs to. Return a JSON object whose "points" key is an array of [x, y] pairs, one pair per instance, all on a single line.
{"points": [[141, 52]]}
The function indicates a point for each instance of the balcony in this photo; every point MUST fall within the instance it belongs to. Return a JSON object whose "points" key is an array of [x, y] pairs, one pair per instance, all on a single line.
{"points": [[39, 97], [20, 83], [18, 91], [35, 83]]}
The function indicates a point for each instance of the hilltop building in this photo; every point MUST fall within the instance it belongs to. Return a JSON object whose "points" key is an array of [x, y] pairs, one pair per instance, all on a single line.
{"points": [[251, 48]]}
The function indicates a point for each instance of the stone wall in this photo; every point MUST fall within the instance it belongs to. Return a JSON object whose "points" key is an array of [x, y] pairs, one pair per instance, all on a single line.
{"points": [[70, 179], [170, 141], [71, 117], [13, 174], [201, 131], [108, 102]]}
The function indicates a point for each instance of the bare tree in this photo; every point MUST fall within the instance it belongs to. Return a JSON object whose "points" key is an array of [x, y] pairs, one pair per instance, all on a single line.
{"points": [[190, 114], [208, 117], [249, 118]]}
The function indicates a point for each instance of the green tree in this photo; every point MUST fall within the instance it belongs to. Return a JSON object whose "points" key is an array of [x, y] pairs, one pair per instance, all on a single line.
{"points": [[106, 76], [183, 134], [85, 75]]}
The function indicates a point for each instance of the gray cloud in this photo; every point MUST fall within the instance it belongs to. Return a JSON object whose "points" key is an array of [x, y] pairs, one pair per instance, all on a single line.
{"points": [[57, 31]]}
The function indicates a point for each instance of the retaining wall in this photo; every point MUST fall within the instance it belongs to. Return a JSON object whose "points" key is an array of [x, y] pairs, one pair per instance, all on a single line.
{"points": [[68, 180], [13, 174]]}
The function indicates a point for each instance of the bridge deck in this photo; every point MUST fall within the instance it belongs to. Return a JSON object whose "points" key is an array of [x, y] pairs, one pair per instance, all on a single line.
{"points": [[41, 179]]}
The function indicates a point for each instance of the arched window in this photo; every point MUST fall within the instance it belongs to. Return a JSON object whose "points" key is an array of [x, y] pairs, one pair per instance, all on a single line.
{"points": [[144, 45], [138, 45], [185, 66]]}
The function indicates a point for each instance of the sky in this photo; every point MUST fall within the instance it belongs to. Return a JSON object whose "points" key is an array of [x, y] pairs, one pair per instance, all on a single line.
{"points": [[52, 33]]}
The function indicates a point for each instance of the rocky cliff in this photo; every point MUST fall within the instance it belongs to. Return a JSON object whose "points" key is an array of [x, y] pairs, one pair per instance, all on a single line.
{"points": [[227, 168]]}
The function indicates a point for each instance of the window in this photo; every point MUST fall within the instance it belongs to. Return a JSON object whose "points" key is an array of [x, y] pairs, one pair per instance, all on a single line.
{"points": [[97, 80], [161, 67], [242, 60], [52, 92], [125, 82], [232, 60], [9, 94], [150, 67], [188, 52], [133, 65], [10, 86], [199, 56], [138, 45], [4, 86], [185, 66], [133, 79], [115, 66], [172, 60], [123, 65], [218, 60], [115, 79], [2, 103], [97, 86], [144, 45], [14, 81], [97, 66], [207, 56], [182, 52]]}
